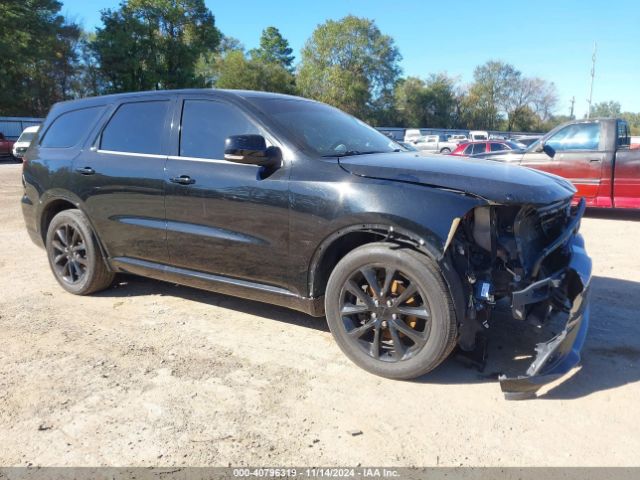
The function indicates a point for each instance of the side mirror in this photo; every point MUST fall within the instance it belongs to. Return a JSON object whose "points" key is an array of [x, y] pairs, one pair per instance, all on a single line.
{"points": [[548, 150], [251, 150]]}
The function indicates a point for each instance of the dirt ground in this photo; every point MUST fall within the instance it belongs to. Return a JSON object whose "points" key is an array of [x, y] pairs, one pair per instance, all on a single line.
{"points": [[149, 373]]}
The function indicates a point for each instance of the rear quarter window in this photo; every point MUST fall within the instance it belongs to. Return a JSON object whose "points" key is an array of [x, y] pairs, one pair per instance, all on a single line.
{"points": [[68, 129]]}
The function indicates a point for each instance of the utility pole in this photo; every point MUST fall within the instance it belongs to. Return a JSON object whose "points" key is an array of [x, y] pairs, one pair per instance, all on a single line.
{"points": [[573, 101], [593, 74]]}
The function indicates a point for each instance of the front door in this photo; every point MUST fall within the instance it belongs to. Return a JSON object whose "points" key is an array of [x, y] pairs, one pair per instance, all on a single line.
{"points": [[575, 153], [224, 218], [121, 180]]}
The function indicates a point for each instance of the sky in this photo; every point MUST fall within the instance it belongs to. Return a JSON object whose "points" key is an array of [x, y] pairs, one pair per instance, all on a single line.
{"points": [[550, 39]]}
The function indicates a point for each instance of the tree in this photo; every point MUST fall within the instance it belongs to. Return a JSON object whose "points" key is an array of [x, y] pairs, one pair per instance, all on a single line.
{"points": [[274, 49], [492, 89], [39, 59], [430, 103], [234, 70], [154, 44], [350, 64], [606, 109]]}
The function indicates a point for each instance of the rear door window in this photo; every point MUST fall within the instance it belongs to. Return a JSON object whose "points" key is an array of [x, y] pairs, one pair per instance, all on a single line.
{"points": [[69, 129], [498, 147], [205, 126], [623, 134], [478, 148], [137, 127]]}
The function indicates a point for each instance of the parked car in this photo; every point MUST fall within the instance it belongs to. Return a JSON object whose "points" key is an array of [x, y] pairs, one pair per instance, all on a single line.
{"points": [[478, 135], [595, 155], [24, 140], [6, 146], [292, 202], [434, 144], [475, 148], [526, 140]]}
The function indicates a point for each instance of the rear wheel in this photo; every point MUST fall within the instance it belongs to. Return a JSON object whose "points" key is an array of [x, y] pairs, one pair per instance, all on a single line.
{"points": [[445, 150], [74, 255], [390, 311]]}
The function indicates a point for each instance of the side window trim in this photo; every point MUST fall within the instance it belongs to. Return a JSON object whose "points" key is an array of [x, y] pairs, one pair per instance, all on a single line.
{"points": [[97, 141]]}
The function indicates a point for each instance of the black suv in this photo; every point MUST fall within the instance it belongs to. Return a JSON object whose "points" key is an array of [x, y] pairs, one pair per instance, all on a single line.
{"points": [[292, 202]]}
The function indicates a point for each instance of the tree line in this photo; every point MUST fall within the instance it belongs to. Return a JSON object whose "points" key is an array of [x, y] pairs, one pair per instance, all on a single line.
{"points": [[165, 44]]}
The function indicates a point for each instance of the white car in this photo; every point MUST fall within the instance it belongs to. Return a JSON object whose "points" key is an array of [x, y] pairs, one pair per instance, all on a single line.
{"points": [[24, 140]]}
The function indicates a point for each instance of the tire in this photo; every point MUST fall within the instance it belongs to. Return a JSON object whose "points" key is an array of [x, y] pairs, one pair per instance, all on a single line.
{"points": [[74, 255], [433, 333], [445, 150]]}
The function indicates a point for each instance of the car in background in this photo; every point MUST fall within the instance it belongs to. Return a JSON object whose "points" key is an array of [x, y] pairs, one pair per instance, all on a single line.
{"points": [[24, 140], [594, 154], [635, 143], [478, 135], [434, 144], [476, 148], [458, 138], [412, 134], [526, 140], [6, 146]]}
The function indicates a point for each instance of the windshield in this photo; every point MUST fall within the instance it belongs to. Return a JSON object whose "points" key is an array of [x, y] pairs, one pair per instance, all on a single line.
{"points": [[324, 130], [26, 137]]}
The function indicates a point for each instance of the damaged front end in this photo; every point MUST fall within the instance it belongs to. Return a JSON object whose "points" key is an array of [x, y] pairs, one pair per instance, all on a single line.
{"points": [[533, 260]]}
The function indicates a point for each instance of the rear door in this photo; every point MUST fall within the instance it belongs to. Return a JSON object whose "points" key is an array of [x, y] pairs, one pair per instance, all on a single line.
{"points": [[578, 155], [224, 218], [121, 179]]}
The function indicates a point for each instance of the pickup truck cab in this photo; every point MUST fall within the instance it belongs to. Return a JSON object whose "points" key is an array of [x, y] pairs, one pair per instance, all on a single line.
{"points": [[594, 154], [435, 144]]}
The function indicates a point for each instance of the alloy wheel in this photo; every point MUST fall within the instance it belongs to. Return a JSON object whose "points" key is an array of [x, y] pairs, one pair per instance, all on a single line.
{"points": [[384, 313]]}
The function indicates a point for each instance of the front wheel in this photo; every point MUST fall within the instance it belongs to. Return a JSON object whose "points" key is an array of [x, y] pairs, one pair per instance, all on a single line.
{"points": [[390, 311], [74, 254], [445, 151]]}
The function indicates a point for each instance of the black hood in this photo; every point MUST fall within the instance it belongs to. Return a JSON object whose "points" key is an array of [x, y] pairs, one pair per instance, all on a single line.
{"points": [[496, 182]]}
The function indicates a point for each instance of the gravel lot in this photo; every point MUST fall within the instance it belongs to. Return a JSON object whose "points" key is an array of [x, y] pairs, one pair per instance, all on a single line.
{"points": [[149, 373]]}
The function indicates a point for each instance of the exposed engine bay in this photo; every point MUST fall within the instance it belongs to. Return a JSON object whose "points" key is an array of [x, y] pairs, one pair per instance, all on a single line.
{"points": [[527, 258]]}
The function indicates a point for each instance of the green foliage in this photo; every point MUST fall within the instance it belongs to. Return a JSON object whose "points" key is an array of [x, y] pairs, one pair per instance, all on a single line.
{"points": [[154, 44], [421, 103], [350, 64], [274, 49], [606, 109], [39, 58], [234, 70]]}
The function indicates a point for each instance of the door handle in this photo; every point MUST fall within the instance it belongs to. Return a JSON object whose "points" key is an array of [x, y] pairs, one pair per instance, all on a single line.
{"points": [[85, 170], [183, 180], [595, 159]]}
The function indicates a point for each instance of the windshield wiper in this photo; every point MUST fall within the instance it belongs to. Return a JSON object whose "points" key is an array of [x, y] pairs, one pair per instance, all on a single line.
{"points": [[350, 153]]}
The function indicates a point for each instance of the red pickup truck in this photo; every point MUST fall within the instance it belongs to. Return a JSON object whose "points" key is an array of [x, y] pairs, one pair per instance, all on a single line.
{"points": [[6, 146], [594, 154]]}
